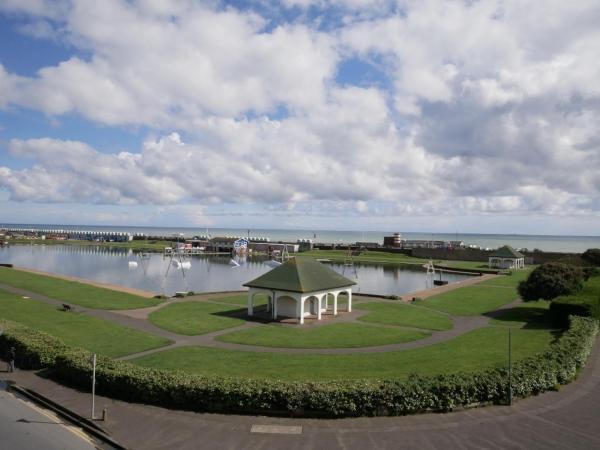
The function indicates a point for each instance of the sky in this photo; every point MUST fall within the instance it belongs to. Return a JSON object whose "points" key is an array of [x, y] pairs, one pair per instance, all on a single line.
{"points": [[401, 115]]}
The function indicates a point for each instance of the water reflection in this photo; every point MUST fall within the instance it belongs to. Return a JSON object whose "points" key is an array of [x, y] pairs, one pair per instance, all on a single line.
{"points": [[157, 273]]}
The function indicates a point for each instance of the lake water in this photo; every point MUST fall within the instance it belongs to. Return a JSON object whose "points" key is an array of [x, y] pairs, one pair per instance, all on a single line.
{"points": [[207, 273]]}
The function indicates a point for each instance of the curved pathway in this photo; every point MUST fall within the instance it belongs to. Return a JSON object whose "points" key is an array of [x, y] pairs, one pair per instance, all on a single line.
{"points": [[137, 319]]}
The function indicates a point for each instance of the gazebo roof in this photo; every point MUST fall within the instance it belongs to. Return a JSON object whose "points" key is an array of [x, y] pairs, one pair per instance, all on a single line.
{"points": [[506, 252], [301, 275]]}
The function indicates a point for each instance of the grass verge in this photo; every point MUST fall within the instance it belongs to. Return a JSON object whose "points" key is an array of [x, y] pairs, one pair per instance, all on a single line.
{"points": [[476, 350], [337, 335], [405, 315], [194, 318], [73, 292], [76, 329], [471, 300]]}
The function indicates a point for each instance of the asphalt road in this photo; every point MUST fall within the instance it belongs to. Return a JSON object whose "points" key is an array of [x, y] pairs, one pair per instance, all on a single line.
{"points": [[24, 426]]}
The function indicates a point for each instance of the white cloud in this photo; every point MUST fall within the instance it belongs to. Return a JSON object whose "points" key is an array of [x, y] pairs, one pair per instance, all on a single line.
{"points": [[490, 107]]}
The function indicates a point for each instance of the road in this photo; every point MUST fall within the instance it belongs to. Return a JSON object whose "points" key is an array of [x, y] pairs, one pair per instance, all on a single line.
{"points": [[25, 426]]}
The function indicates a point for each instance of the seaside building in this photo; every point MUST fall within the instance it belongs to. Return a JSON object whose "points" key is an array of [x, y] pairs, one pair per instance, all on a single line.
{"points": [[396, 241], [299, 288], [506, 258]]}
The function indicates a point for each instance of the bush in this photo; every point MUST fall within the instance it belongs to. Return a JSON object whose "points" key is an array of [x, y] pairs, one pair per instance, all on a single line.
{"points": [[563, 307], [551, 280], [34, 349], [592, 256]]}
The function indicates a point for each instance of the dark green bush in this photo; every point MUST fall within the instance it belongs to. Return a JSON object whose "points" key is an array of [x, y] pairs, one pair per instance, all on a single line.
{"points": [[34, 349], [551, 280], [181, 390], [592, 256]]}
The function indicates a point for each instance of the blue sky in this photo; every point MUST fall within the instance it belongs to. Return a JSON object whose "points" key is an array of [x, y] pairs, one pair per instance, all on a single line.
{"points": [[367, 114]]}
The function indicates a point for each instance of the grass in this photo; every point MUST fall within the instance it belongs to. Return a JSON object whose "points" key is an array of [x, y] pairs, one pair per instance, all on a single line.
{"points": [[73, 292], [526, 315], [478, 349], [194, 318], [477, 265], [337, 335], [512, 280], [77, 329], [406, 315], [471, 300], [241, 300]]}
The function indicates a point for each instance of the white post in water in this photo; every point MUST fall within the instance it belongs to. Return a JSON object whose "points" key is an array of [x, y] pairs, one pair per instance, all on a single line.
{"points": [[93, 384]]}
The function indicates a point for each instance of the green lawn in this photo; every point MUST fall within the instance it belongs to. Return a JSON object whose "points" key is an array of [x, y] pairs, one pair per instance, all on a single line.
{"points": [[471, 300], [335, 335], [477, 265], [403, 314], [73, 292], [485, 347], [145, 245], [77, 329], [194, 318], [526, 315], [512, 280], [241, 300]]}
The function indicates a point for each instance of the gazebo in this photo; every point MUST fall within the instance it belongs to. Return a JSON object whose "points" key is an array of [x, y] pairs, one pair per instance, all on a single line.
{"points": [[506, 258], [300, 287]]}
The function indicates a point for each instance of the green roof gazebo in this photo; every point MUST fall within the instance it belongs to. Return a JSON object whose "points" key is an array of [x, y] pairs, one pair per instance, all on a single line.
{"points": [[506, 258], [300, 287]]}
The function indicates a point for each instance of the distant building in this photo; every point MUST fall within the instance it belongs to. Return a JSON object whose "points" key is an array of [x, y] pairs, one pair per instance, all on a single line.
{"points": [[506, 258], [396, 241]]}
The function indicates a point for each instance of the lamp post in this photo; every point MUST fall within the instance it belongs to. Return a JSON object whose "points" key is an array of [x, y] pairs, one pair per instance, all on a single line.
{"points": [[510, 393]]}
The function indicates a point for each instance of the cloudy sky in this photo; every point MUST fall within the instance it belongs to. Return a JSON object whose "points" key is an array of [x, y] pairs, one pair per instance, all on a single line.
{"points": [[474, 116]]}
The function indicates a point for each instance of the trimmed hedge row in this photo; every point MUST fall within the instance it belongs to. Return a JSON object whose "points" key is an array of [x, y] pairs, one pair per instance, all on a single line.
{"points": [[180, 390], [34, 349]]}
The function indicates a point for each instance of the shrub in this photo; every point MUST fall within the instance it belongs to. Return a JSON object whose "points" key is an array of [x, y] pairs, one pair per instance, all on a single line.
{"points": [[34, 349], [551, 280], [592, 256]]}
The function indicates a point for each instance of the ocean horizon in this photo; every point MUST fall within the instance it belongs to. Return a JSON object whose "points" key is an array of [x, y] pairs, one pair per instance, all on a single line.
{"points": [[557, 243]]}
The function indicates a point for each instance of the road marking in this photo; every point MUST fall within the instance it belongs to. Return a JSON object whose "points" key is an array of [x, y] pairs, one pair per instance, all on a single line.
{"points": [[53, 417], [276, 429]]}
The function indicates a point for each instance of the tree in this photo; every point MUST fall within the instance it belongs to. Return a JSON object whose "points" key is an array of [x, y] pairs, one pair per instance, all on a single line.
{"points": [[550, 280]]}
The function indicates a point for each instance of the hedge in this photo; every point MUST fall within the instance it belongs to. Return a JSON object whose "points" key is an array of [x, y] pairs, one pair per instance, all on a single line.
{"points": [[563, 307], [126, 381]]}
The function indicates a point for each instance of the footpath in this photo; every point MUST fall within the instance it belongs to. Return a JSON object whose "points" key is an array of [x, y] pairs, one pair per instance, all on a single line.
{"points": [[569, 418]]}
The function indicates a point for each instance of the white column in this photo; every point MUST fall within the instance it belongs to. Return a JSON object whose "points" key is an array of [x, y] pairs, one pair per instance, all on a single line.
{"points": [[349, 301], [301, 310], [326, 301], [250, 309], [335, 296], [319, 307], [274, 306]]}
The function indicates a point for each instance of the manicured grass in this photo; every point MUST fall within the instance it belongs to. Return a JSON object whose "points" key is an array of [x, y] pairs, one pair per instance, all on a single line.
{"points": [[526, 315], [512, 280], [336, 335], [194, 318], [77, 329], [241, 300], [403, 314], [471, 300], [477, 265], [73, 292], [485, 347]]}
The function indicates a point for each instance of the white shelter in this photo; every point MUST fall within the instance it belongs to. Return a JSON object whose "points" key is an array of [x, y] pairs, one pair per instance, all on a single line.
{"points": [[300, 287], [506, 258]]}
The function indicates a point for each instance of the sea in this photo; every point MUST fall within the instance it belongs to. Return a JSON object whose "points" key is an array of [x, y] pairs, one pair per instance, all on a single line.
{"points": [[548, 243]]}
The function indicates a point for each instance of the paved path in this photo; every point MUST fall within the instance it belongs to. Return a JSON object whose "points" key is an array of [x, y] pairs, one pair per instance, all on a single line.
{"points": [[127, 318], [568, 419], [461, 325]]}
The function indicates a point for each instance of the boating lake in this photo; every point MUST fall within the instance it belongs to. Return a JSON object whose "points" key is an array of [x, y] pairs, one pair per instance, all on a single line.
{"points": [[156, 273]]}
